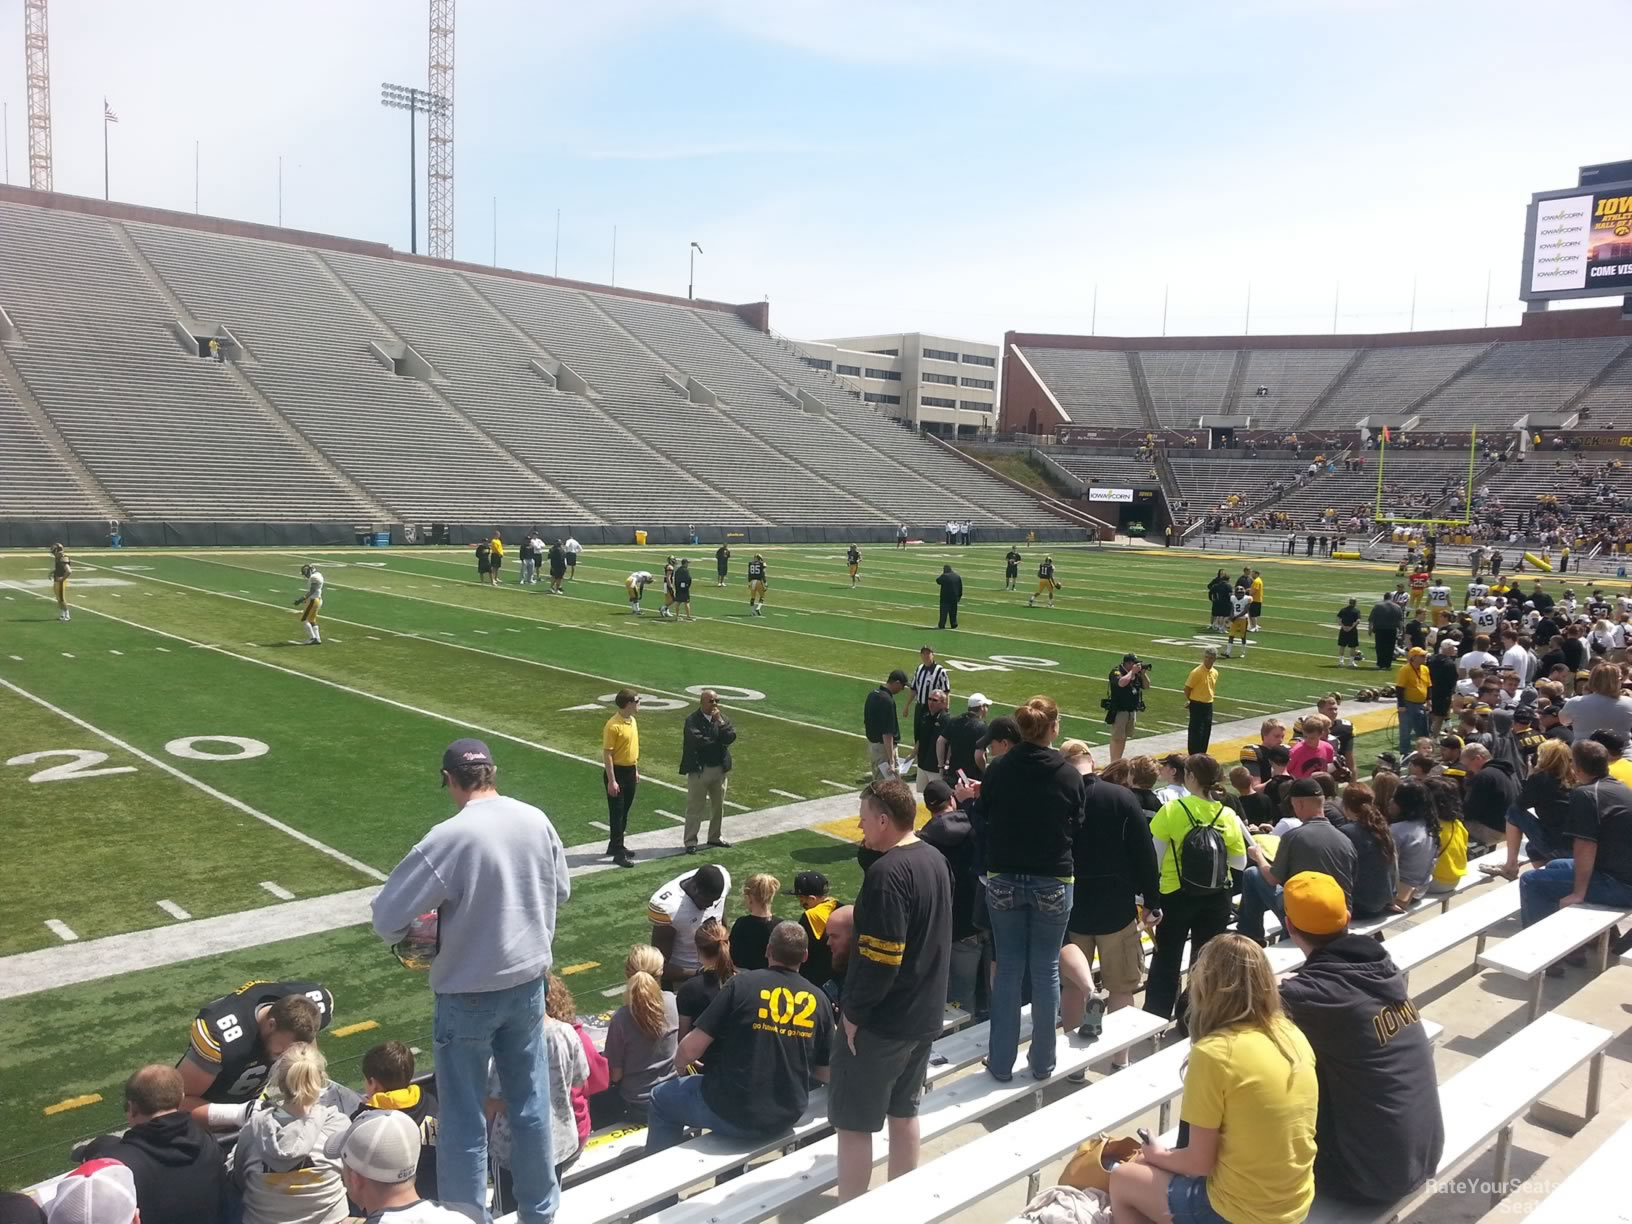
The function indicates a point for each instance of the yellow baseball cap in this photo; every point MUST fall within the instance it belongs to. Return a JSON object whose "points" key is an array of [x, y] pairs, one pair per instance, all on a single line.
{"points": [[1315, 904]]}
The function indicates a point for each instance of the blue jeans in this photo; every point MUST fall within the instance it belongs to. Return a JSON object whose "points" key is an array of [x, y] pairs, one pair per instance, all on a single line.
{"points": [[1413, 722], [678, 1103], [1524, 820], [1541, 890], [1257, 898], [1029, 914], [508, 1027]]}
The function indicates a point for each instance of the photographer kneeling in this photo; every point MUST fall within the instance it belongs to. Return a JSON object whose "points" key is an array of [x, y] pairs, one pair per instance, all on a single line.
{"points": [[1126, 701]]}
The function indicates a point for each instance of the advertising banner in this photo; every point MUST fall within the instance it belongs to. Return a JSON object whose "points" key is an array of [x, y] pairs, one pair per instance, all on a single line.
{"points": [[1110, 495]]}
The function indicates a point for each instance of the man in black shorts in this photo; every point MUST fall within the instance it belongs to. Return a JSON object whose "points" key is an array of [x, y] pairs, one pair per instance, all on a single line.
{"points": [[1348, 635], [1011, 568], [484, 567], [722, 563], [894, 989]]}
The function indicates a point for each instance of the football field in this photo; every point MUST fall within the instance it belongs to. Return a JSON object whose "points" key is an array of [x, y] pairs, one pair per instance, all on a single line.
{"points": [[176, 754]]}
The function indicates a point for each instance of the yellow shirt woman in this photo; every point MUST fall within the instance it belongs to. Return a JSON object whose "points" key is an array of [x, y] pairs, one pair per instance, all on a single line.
{"points": [[1243, 1084]]}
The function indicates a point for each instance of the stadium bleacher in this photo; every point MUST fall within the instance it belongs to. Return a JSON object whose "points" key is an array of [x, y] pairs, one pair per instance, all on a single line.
{"points": [[361, 387], [1514, 380], [1186, 386], [1094, 385]]}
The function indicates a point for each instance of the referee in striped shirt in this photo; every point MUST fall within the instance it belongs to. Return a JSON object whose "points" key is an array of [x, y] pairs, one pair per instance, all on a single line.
{"points": [[930, 677]]}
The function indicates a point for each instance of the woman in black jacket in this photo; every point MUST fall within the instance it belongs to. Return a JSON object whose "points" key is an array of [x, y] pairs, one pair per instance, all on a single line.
{"points": [[1031, 798]]}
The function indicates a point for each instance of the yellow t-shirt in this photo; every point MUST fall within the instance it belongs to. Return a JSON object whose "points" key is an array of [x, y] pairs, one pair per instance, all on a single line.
{"points": [[1452, 863], [1257, 590], [1169, 826], [1413, 682], [497, 547], [1621, 770], [1241, 1084], [621, 738], [1202, 683]]}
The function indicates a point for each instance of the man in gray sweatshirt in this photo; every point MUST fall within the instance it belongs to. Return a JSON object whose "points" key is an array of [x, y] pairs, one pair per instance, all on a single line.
{"points": [[494, 874]]}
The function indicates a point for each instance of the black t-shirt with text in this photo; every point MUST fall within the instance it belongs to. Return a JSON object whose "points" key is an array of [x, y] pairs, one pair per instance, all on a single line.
{"points": [[930, 729], [771, 1028]]}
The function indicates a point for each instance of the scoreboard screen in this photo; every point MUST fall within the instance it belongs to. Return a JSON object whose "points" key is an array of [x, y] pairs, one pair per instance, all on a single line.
{"points": [[1578, 243]]}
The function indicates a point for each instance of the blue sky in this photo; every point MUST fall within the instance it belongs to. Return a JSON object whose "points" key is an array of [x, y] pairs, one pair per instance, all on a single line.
{"points": [[950, 166]]}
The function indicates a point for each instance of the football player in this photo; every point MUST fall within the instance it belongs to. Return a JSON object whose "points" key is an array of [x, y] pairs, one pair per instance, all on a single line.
{"points": [[668, 589], [636, 585], [676, 911], [1045, 583], [236, 1039], [1240, 611], [756, 585], [60, 569], [1011, 568], [313, 603], [853, 559]]}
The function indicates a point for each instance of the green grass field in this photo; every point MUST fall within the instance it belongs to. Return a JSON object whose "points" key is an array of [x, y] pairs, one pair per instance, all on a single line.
{"points": [[115, 796]]}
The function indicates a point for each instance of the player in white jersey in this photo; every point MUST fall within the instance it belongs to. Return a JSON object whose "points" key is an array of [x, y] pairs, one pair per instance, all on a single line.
{"points": [[1485, 617], [1568, 604], [1623, 604], [1240, 611], [313, 601], [676, 911], [635, 584], [1476, 591], [1439, 603]]}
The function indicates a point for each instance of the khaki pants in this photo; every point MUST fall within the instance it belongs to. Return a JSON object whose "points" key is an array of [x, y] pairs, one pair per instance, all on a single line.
{"points": [[881, 762], [706, 787]]}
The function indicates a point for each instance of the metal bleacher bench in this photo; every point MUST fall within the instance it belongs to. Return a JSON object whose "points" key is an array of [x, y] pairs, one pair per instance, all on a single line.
{"points": [[1529, 954], [615, 1148], [1596, 1190], [766, 1190], [963, 1177]]}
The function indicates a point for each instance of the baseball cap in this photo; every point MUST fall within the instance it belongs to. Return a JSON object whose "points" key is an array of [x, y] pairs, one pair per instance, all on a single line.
{"points": [[1524, 714], [897, 677], [979, 701], [1130, 657], [926, 646], [810, 884], [937, 793], [466, 752], [1004, 728], [1314, 903], [1451, 741], [1417, 652], [382, 1145], [1305, 788], [98, 1192]]}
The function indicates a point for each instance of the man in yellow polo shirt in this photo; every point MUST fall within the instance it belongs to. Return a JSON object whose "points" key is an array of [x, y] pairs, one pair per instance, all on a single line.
{"points": [[1200, 687], [620, 750], [1412, 681]]}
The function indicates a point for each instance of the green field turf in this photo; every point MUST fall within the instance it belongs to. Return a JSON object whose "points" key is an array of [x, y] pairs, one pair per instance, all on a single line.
{"points": [[165, 646]]}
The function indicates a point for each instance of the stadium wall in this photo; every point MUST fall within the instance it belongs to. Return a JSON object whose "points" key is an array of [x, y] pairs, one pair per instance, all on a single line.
{"points": [[755, 314], [94, 533]]}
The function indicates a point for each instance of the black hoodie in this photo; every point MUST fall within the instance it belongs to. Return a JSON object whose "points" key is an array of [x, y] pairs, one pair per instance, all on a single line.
{"points": [[953, 834], [1031, 798], [180, 1174], [1489, 793], [1378, 1130]]}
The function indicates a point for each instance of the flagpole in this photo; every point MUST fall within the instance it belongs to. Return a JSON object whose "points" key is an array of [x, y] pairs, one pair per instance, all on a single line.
{"points": [[104, 148]]}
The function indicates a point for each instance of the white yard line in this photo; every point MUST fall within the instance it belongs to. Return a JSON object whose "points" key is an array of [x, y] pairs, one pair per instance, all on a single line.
{"points": [[844, 786], [786, 794], [175, 911], [669, 815], [277, 890], [158, 763], [61, 930]]}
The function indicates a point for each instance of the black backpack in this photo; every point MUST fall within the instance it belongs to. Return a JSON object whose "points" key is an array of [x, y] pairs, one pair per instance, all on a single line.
{"points": [[1204, 862]]}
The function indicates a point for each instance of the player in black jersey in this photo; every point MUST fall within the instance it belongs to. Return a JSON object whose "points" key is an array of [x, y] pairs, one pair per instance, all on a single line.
{"points": [[236, 1039], [722, 562], [756, 585], [853, 559], [1011, 569]]}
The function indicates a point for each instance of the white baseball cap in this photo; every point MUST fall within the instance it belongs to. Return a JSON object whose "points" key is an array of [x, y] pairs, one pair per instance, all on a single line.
{"points": [[98, 1192], [978, 700], [382, 1145]]}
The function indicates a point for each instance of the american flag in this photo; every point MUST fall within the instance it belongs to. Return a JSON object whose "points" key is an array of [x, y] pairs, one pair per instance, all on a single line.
{"points": [[107, 113]]}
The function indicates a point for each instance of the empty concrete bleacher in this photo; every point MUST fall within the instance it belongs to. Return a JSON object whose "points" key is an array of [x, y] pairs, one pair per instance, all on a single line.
{"points": [[1294, 378], [1114, 471], [1093, 385], [1404, 474], [1519, 378], [167, 435], [1387, 381], [34, 482], [491, 380], [1187, 385], [308, 353], [1205, 482], [1609, 404]]}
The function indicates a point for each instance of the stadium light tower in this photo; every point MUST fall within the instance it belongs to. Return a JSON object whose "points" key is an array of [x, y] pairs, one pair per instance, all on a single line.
{"points": [[691, 275], [415, 102], [439, 134], [37, 56]]}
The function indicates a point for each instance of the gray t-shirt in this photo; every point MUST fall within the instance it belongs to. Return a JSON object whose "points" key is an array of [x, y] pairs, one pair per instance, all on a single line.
{"points": [[645, 1061], [1593, 712], [1415, 852], [1317, 846]]}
